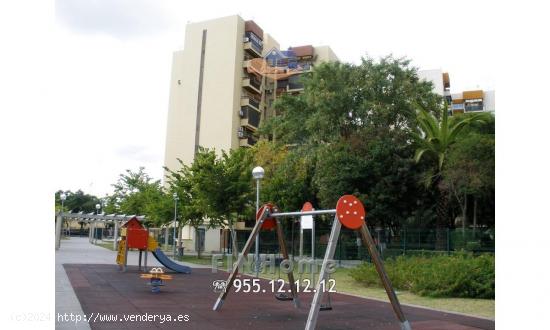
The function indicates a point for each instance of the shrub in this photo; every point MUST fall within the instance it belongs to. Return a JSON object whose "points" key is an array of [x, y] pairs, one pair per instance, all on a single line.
{"points": [[460, 275]]}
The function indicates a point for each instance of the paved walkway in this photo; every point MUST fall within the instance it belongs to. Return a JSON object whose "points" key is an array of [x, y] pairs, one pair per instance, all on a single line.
{"points": [[78, 250]]}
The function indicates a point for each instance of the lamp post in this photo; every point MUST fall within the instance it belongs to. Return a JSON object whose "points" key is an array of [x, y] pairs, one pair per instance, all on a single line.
{"points": [[97, 207], [176, 198], [59, 225], [257, 174], [63, 197]]}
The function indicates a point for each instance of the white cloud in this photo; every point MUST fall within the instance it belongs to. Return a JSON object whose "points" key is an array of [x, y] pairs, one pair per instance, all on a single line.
{"points": [[118, 18]]}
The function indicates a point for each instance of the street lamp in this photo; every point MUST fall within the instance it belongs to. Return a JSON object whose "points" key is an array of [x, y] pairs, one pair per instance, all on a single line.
{"points": [[97, 207], [176, 198], [63, 197], [257, 174]]}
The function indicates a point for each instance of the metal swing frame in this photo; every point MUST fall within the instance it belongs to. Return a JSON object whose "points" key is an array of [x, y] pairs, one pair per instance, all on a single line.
{"points": [[323, 275]]}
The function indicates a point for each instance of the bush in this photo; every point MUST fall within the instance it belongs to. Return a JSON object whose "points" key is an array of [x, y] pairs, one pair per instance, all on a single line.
{"points": [[473, 246], [460, 275]]}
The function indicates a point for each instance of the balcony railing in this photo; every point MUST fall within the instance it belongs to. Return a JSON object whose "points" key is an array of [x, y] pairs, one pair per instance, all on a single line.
{"points": [[252, 82], [295, 83], [246, 137], [250, 117], [473, 108], [248, 100], [253, 44]]}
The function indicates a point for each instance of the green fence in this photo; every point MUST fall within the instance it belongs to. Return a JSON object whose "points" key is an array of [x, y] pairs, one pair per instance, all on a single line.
{"points": [[390, 243]]}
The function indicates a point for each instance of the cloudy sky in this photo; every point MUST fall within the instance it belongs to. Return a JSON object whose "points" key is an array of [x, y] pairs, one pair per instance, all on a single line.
{"points": [[114, 60]]}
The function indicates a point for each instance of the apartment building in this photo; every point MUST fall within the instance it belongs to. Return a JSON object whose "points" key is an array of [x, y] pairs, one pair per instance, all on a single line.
{"points": [[222, 86], [463, 102], [473, 101]]}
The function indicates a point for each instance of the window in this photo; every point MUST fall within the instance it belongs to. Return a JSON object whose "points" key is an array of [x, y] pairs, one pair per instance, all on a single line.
{"points": [[473, 105]]}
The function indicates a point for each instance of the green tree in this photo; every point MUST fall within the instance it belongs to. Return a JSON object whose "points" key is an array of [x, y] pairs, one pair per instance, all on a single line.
{"points": [[340, 99], [288, 174], [436, 134], [137, 193], [235, 191], [349, 133], [77, 201], [470, 172], [196, 186]]}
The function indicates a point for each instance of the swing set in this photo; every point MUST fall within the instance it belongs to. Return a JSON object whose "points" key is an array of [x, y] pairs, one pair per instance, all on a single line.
{"points": [[350, 213]]}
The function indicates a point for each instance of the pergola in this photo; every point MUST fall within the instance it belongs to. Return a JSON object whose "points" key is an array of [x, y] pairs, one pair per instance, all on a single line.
{"points": [[92, 219]]}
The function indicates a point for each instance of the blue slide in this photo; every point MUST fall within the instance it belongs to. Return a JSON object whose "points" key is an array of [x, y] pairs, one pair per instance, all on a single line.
{"points": [[163, 259]]}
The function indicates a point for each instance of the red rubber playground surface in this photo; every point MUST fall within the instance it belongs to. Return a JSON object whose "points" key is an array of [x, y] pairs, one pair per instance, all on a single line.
{"points": [[103, 290]]}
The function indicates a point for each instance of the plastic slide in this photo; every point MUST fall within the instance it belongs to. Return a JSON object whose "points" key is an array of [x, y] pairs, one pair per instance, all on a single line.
{"points": [[166, 262]]}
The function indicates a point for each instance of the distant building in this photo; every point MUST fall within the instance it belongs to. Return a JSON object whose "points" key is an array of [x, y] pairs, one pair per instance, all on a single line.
{"points": [[464, 102], [473, 101]]}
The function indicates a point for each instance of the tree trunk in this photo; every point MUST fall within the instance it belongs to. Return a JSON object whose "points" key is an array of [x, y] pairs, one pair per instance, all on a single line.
{"points": [[178, 239], [234, 248], [464, 214], [442, 219], [475, 217], [198, 243]]}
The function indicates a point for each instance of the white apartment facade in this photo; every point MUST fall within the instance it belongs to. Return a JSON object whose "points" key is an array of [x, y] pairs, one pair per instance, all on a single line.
{"points": [[217, 101]]}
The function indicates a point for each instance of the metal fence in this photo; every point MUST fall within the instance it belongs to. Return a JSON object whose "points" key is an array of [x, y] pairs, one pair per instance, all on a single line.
{"points": [[390, 243]]}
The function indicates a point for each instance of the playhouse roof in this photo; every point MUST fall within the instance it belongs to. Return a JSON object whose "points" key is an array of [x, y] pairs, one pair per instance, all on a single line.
{"points": [[133, 223]]}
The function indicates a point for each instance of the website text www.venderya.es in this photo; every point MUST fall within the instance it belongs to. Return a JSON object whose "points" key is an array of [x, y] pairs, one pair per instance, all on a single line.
{"points": [[114, 317]]}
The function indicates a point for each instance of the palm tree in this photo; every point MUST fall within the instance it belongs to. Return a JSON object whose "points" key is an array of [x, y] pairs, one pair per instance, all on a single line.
{"points": [[435, 136]]}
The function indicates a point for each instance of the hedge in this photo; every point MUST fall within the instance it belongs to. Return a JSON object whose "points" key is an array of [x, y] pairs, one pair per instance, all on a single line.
{"points": [[460, 275]]}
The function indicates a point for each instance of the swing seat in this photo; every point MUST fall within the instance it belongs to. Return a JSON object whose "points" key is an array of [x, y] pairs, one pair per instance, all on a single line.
{"points": [[325, 308], [283, 297]]}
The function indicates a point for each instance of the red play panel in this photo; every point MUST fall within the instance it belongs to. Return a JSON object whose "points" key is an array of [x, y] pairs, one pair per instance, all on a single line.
{"points": [[350, 212], [307, 207], [269, 223], [137, 238]]}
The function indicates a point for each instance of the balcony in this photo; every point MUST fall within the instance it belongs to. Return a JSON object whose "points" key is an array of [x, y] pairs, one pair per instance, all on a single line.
{"points": [[252, 85], [246, 137], [475, 107], [248, 142], [295, 84], [253, 44], [252, 49], [250, 118], [282, 84], [295, 88], [251, 102], [458, 106]]}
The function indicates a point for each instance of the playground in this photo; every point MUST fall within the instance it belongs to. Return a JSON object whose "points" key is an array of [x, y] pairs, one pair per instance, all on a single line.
{"points": [[121, 294], [103, 289]]}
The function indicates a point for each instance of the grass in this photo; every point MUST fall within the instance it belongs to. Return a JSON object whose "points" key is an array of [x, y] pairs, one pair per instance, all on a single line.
{"points": [[479, 307], [108, 246]]}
